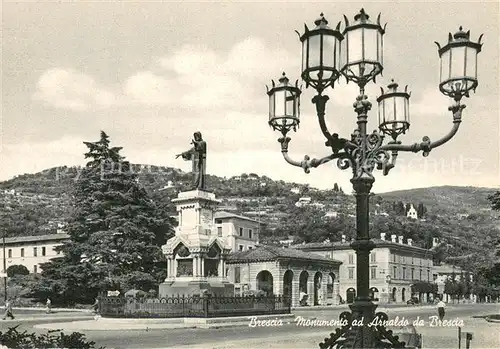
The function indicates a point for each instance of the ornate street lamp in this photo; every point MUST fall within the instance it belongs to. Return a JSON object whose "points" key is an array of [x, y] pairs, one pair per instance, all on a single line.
{"points": [[458, 69], [361, 60]]}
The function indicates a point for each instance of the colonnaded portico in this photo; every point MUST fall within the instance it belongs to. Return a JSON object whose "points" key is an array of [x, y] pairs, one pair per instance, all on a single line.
{"points": [[288, 272]]}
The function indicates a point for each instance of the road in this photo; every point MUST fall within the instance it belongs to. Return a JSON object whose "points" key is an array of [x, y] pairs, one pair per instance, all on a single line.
{"points": [[486, 335]]}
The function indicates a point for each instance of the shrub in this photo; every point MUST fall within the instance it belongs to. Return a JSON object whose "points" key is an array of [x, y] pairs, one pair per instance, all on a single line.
{"points": [[17, 269], [15, 339]]}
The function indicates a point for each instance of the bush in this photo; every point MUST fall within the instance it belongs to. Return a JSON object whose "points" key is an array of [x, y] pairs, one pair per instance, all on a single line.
{"points": [[15, 339], [17, 269]]}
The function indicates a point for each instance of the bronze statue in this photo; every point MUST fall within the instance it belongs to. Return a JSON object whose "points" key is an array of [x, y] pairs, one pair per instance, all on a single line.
{"points": [[198, 155]]}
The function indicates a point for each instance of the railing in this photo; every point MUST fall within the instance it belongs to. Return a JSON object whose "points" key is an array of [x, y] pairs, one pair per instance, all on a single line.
{"points": [[192, 306]]}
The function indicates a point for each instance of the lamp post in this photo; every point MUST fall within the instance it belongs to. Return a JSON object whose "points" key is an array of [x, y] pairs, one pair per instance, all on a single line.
{"points": [[357, 55]]}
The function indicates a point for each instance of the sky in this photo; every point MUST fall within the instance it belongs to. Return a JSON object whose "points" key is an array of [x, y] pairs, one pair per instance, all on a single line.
{"points": [[151, 73]]}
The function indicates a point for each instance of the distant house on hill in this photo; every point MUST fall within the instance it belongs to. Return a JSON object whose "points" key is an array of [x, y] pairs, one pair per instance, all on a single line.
{"points": [[412, 213], [303, 201]]}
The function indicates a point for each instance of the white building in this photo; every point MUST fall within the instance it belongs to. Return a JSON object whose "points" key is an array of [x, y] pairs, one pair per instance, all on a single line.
{"points": [[241, 233], [303, 201], [31, 251], [412, 213], [394, 267]]}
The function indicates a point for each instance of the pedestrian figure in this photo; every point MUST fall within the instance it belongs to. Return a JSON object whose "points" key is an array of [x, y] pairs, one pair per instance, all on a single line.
{"points": [[441, 305], [8, 310], [49, 306], [96, 306]]}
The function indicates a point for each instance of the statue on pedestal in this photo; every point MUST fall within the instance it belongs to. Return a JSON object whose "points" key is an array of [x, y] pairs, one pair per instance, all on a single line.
{"points": [[198, 155]]}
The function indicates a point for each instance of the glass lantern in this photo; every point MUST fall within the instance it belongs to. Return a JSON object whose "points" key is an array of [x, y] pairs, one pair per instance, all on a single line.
{"points": [[320, 54], [362, 49], [458, 68], [394, 110], [284, 103]]}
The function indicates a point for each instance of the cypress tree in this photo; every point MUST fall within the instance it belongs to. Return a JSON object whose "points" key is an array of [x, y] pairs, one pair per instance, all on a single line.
{"points": [[116, 231]]}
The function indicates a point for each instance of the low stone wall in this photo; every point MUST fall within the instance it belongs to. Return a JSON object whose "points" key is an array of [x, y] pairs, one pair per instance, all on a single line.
{"points": [[192, 306]]}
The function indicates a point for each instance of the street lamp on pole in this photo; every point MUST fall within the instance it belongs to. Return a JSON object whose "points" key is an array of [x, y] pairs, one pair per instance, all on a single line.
{"points": [[356, 53]]}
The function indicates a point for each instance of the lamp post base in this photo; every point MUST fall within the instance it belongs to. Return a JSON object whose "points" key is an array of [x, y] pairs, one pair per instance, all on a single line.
{"points": [[363, 329]]}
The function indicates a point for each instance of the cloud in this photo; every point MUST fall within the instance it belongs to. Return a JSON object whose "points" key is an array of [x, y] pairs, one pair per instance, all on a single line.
{"points": [[69, 89], [147, 88], [197, 77]]}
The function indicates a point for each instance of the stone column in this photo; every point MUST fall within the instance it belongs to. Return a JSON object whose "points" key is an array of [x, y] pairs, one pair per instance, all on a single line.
{"points": [[168, 268], [174, 268], [195, 266], [335, 292], [202, 262]]}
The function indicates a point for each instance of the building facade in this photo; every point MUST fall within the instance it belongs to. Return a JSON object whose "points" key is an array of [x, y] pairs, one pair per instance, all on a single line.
{"points": [[302, 276], [240, 233], [31, 251], [394, 267]]}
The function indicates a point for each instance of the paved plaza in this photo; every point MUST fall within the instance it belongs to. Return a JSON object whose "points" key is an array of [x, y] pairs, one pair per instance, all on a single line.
{"points": [[485, 334]]}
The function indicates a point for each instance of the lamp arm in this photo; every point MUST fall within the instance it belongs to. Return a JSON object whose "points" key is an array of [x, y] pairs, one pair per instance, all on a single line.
{"points": [[426, 145], [307, 163], [332, 140]]}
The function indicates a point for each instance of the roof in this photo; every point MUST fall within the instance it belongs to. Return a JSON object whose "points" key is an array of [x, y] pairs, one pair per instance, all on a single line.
{"points": [[36, 238], [225, 214], [262, 253], [338, 245]]}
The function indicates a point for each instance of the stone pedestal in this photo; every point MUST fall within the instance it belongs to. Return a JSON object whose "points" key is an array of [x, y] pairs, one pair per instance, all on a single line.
{"points": [[196, 255]]}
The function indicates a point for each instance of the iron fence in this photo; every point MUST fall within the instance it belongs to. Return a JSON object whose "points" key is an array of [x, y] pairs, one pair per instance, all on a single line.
{"points": [[192, 306]]}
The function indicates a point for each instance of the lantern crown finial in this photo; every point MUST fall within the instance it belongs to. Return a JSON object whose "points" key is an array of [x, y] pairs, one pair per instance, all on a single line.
{"points": [[361, 16], [283, 80], [321, 21], [393, 86], [461, 35]]}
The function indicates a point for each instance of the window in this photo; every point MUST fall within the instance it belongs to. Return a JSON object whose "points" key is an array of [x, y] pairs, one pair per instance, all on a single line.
{"points": [[22, 252], [351, 259], [241, 231], [420, 278], [395, 272], [249, 233], [10, 253], [35, 269], [403, 259], [218, 221], [237, 272], [404, 273], [35, 252], [43, 251], [373, 272], [240, 247], [413, 273], [428, 275], [219, 231], [250, 247], [394, 258], [373, 258], [351, 273]]}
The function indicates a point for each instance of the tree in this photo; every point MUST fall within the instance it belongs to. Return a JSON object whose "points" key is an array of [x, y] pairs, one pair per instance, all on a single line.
{"points": [[495, 201], [115, 230], [17, 269], [335, 187]]}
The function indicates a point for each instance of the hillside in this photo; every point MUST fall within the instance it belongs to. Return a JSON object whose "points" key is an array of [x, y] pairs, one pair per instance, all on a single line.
{"points": [[40, 203]]}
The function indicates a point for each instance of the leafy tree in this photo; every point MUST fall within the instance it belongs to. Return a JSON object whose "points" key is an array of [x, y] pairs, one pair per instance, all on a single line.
{"points": [[335, 187], [495, 201], [17, 269], [116, 231]]}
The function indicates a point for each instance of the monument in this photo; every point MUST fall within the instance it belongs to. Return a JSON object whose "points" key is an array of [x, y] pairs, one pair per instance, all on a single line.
{"points": [[196, 254]]}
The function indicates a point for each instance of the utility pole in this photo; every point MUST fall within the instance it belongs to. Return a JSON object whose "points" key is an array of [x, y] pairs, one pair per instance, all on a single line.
{"points": [[4, 271]]}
